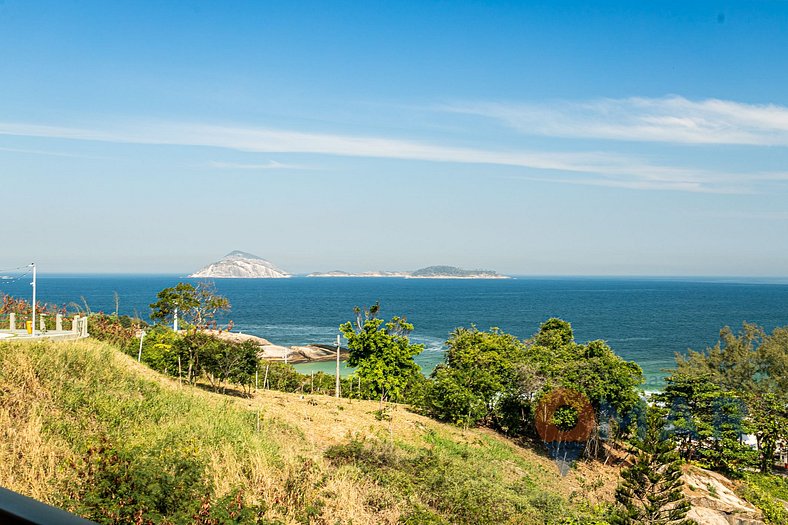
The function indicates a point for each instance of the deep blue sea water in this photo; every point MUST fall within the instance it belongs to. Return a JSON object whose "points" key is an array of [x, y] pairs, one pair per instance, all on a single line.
{"points": [[645, 320]]}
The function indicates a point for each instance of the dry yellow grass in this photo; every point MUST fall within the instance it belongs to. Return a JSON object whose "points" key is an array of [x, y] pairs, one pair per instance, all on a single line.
{"points": [[279, 462]]}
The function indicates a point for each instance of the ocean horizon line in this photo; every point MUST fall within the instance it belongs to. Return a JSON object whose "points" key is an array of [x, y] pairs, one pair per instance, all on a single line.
{"points": [[764, 279]]}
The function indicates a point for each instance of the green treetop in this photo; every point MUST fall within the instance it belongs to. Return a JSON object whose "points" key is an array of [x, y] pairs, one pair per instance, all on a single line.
{"points": [[382, 354], [195, 305]]}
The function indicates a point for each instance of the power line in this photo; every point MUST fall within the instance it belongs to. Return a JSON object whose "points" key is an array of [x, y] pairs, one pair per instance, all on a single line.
{"points": [[17, 268], [15, 279]]}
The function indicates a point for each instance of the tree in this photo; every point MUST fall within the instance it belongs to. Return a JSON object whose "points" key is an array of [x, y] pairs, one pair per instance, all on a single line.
{"points": [[382, 354], [769, 422], [196, 305], [494, 378], [749, 373], [650, 490], [608, 381], [479, 379], [708, 421], [690, 402]]}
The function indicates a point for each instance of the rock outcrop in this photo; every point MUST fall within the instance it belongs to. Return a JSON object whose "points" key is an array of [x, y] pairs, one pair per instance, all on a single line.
{"points": [[714, 500], [295, 354]]}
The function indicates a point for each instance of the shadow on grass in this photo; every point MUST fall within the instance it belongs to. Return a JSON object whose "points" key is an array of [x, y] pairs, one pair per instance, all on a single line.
{"points": [[227, 391]]}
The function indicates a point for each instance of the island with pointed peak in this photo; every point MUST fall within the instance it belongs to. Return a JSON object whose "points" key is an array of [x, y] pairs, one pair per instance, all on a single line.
{"points": [[240, 265]]}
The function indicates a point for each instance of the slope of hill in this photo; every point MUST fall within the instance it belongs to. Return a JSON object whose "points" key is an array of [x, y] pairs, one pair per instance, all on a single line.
{"points": [[241, 265], [87, 428]]}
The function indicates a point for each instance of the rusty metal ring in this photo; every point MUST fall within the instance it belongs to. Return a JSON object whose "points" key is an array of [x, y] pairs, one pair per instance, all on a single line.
{"points": [[586, 418]]}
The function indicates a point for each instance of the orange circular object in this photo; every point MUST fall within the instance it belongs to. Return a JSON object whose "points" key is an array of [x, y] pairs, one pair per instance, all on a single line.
{"points": [[586, 418]]}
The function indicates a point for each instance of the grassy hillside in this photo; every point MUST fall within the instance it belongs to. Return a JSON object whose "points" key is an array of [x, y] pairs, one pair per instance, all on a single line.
{"points": [[85, 427]]}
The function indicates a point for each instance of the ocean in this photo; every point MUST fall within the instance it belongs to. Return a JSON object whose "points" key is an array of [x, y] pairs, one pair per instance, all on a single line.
{"points": [[646, 320]]}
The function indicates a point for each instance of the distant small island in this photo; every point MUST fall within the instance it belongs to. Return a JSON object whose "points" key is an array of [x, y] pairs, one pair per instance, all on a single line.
{"points": [[240, 265], [340, 273], [452, 272], [430, 272]]}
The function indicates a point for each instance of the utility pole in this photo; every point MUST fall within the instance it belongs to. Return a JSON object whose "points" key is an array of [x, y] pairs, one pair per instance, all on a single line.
{"points": [[139, 355], [336, 388], [34, 298]]}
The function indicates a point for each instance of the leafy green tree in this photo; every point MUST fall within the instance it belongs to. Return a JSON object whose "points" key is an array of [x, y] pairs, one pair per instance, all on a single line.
{"points": [[382, 354], [177, 300], [650, 490], [478, 378], [769, 422], [773, 362], [593, 368], [196, 305], [159, 350], [493, 378], [193, 349], [751, 367]]}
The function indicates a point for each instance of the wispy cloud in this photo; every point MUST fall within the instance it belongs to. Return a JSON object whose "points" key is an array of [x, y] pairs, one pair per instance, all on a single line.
{"points": [[596, 168], [48, 153], [671, 119], [270, 165]]}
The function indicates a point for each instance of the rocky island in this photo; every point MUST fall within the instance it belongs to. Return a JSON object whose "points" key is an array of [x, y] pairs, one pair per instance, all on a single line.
{"points": [[430, 272], [452, 272], [340, 273], [240, 265]]}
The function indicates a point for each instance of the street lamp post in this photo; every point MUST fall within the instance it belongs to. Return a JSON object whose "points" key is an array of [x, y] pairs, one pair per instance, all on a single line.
{"points": [[34, 298]]}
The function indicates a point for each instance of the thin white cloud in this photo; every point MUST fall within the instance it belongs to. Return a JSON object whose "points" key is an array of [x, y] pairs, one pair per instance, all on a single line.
{"points": [[597, 168], [671, 119], [270, 165], [51, 153]]}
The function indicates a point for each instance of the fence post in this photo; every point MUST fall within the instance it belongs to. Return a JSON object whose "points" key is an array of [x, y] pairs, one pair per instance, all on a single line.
{"points": [[42, 325], [12, 322], [84, 327], [59, 323], [74, 324]]}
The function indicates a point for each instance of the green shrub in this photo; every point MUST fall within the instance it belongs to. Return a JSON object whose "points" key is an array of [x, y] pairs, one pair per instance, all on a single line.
{"points": [[119, 331], [764, 491], [453, 483], [142, 486]]}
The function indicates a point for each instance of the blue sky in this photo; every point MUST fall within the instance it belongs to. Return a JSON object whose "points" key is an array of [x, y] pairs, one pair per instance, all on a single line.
{"points": [[623, 138]]}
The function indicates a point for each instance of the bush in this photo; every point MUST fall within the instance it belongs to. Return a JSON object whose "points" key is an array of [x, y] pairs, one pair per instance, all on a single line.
{"points": [[141, 486], [282, 376], [447, 398], [765, 491], [119, 331], [453, 483]]}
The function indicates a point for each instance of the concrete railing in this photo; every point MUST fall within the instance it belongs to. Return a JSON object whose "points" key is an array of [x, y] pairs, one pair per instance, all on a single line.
{"points": [[79, 324]]}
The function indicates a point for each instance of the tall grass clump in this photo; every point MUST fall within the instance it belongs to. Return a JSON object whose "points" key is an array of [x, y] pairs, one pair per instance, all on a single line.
{"points": [[88, 429]]}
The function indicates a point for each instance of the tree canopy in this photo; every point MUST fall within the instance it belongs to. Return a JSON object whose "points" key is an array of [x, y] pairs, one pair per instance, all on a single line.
{"points": [[196, 305], [738, 386], [495, 379], [382, 353]]}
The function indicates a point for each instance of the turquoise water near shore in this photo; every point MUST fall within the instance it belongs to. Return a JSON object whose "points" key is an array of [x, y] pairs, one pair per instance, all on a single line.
{"points": [[645, 320]]}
